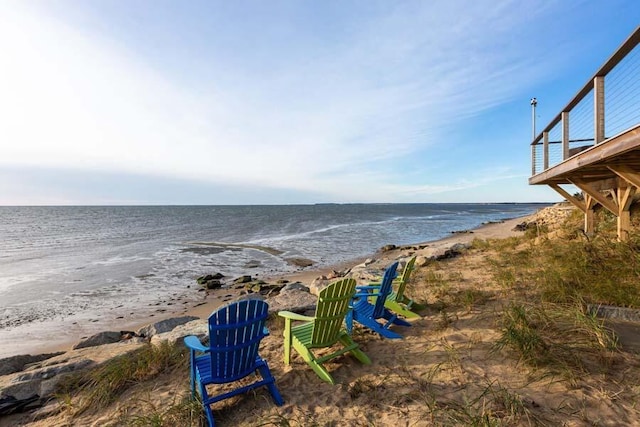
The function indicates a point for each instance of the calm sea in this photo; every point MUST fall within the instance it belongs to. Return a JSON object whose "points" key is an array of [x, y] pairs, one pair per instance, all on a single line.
{"points": [[73, 264]]}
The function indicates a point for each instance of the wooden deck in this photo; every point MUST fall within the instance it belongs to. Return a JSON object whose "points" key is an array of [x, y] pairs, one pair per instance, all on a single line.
{"points": [[607, 170]]}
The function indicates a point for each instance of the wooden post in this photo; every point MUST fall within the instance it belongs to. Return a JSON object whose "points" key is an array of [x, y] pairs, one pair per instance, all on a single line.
{"points": [[624, 199], [545, 149], [565, 135], [598, 109], [589, 217]]}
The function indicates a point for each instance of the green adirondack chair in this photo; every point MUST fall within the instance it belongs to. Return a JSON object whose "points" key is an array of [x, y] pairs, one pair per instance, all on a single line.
{"points": [[397, 301], [323, 330]]}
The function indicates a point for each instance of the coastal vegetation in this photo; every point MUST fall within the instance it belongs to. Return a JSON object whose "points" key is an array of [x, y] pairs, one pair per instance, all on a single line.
{"points": [[511, 335]]}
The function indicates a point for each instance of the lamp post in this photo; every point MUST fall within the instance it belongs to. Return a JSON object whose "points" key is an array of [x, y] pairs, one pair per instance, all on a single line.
{"points": [[534, 102]]}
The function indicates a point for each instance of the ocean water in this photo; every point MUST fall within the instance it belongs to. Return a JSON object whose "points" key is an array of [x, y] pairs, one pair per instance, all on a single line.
{"points": [[71, 265]]}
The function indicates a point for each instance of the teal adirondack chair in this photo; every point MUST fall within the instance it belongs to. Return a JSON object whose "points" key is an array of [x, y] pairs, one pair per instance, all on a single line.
{"points": [[368, 314], [323, 330], [235, 332], [397, 301]]}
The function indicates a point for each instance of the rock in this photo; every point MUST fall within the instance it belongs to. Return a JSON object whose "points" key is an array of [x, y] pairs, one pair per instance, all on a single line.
{"points": [[300, 262], [41, 378], [12, 364], [107, 337], [387, 248], [207, 277], [318, 284], [523, 226], [294, 297], [421, 261], [243, 279], [213, 284], [164, 326], [198, 327], [10, 404], [296, 286]]}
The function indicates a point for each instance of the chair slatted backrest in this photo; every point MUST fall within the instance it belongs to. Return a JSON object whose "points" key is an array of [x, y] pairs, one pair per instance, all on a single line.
{"points": [[235, 332], [406, 273], [385, 290], [333, 303]]}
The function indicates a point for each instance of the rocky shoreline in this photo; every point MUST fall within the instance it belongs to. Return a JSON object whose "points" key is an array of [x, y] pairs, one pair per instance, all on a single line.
{"points": [[28, 381]]}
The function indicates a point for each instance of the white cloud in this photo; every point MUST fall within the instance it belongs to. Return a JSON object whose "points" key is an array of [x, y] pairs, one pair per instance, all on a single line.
{"points": [[71, 99]]}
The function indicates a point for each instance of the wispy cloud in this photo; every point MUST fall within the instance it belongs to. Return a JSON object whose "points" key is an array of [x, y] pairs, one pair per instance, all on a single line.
{"points": [[325, 122]]}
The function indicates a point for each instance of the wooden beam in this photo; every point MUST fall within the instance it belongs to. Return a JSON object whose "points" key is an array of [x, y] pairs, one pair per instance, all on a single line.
{"points": [[626, 173], [601, 198], [575, 202], [625, 197]]}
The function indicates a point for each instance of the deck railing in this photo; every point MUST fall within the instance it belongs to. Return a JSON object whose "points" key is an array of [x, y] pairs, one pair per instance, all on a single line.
{"points": [[594, 114]]}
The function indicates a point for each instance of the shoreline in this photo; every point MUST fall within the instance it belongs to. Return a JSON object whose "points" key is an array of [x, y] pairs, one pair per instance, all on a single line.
{"points": [[216, 298]]}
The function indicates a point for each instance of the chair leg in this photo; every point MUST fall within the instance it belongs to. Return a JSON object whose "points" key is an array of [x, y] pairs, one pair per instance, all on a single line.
{"points": [[398, 308], [347, 341], [317, 368], [192, 374], [394, 319], [287, 341], [348, 320], [207, 407], [271, 383]]}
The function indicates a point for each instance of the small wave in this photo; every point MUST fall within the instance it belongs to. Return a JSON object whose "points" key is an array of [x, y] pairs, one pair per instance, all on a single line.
{"points": [[121, 260]]}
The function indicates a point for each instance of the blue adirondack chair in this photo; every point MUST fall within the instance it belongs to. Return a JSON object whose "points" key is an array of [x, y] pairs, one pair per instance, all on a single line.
{"points": [[235, 332], [368, 314]]}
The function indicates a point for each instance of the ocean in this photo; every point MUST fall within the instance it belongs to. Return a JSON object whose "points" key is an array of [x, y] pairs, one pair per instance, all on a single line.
{"points": [[77, 265]]}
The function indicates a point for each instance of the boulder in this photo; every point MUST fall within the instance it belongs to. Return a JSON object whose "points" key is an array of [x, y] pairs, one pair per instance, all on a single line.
{"points": [[243, 279], [10, 365], [107, 337], [294, 297], [318, 284], [164, 326], [198, 327], [421, 261], [41, 378]]}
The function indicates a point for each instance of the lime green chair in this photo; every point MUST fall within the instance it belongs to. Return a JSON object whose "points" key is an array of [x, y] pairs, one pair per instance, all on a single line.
{"points": [[397, 301], [323, 330]]}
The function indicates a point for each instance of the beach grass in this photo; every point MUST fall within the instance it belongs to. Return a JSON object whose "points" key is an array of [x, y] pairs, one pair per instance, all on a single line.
{"points": [[97, 388]]}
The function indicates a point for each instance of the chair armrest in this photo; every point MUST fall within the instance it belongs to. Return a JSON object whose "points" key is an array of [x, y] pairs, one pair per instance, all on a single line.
{"points": [[194, 344], [365, 288], [294, 316]]}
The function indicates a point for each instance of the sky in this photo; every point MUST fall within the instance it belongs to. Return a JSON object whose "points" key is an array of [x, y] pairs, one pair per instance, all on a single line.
{"points": [[111, 102]]}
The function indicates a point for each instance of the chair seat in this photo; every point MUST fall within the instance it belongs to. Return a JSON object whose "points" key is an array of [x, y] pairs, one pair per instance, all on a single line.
{"points": [[203, 370], [303, 333]]}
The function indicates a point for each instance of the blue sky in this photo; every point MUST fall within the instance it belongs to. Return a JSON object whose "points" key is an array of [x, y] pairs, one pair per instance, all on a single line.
{"points": [[251, 102]]}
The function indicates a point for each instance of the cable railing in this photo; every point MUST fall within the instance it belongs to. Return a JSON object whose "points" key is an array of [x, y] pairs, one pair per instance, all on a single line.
{"points": [[607, 105]]}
